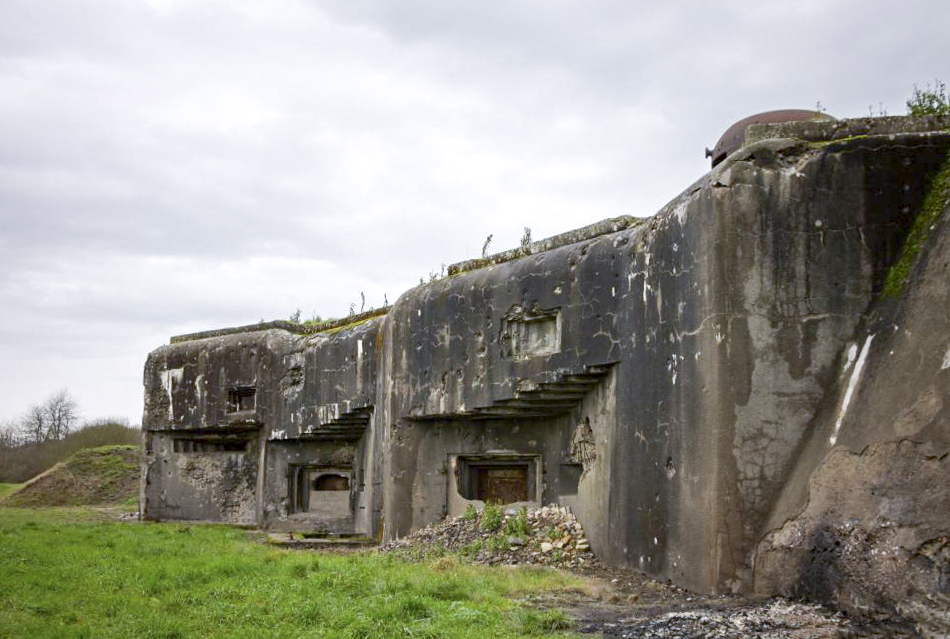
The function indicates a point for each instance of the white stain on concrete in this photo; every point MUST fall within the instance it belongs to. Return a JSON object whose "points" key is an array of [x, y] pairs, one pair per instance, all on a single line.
{"points": [[852, 355], [170, 379], [680, 212], [852, 384], [946, 361]]}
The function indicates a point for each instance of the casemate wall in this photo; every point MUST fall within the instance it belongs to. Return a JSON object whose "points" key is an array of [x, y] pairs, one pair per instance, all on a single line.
{"points": [[665, 377]]}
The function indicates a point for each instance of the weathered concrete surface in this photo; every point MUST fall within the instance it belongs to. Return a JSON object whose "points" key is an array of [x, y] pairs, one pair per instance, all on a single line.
{"points": [[316, 391], [871, 533], [721, 318], [676, 381]]}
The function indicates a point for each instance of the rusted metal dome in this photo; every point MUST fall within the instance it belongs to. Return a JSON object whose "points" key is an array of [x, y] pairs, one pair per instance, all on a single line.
{"points": [[734, 137]]}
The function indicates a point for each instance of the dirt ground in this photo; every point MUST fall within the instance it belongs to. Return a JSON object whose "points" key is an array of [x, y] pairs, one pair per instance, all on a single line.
{"points": [[624, 603]]}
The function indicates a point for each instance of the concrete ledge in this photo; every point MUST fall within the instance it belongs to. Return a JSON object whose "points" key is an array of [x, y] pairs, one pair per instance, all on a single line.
{"points": [[283, 325], [589, 232], [840, 129]]}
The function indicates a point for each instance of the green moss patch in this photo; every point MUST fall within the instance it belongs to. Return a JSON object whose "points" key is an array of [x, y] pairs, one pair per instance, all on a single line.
{"points": [[934, 205]]}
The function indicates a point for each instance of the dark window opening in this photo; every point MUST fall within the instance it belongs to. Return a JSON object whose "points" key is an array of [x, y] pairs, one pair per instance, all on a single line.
{"points": [[530, 333], [241, 399], [503, 480], [182, 445], [331, 482], [569, 478]]}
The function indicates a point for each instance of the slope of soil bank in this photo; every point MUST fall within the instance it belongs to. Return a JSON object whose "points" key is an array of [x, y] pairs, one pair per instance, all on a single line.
{"points": [[108, 475]]}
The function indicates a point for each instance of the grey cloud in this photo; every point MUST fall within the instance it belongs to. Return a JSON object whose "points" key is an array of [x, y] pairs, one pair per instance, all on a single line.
{"points": [[172, 166]]}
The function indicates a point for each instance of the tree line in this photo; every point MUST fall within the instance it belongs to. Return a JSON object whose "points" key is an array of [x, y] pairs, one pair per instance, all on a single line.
{"points": [[52, 431]]}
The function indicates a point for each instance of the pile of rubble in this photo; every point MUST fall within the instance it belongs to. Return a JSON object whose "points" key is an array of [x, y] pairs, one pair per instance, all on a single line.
{"points": [[549, 535], [777, 619]]}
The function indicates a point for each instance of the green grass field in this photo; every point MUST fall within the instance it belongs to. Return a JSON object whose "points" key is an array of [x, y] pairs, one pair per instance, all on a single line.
{"points": [[6, 489], [63, 574]]}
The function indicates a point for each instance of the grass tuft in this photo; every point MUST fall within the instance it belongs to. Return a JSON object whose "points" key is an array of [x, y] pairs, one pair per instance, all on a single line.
{"points": [[491, 517], [541, 622]]}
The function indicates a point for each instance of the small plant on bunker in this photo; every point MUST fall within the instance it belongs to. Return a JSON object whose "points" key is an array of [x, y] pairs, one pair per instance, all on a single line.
{"points": [[295, 316], [518, 525], [497, 543], [470, 514], [929, 101], [491, 517], [486, 245], [472, 548], [526, 240]]}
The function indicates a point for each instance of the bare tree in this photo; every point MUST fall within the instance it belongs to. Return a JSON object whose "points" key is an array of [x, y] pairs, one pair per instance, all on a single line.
{"points": [[9, 447], [62, 413], [51, 420], [9, 436], [33, 424]]}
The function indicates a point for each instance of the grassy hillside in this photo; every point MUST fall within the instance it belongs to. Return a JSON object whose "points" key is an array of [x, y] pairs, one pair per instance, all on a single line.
{"points": [[20, 462], [61, 578], [6, 489], [108, 475]]}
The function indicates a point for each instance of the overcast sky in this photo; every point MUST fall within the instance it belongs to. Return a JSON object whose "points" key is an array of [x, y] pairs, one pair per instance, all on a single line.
{"points": [[172, 166]]}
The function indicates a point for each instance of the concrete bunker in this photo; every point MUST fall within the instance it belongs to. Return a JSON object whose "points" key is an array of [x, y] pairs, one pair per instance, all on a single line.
{"points": [[661, 378]]}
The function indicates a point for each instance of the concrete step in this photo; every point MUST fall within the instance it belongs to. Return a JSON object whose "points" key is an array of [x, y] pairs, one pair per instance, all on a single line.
{"points": [[318, 541]]}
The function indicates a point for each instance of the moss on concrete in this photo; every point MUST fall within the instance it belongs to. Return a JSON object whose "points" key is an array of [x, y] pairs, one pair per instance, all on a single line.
{"points": [[935, 203]]}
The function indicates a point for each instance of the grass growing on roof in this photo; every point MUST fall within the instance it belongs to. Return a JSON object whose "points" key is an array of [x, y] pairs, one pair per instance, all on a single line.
{"points": [[65, 576]]}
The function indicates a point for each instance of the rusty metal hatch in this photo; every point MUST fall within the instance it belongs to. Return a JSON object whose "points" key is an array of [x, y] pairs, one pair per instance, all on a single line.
{"points": [[504, 478], [501, 484]]}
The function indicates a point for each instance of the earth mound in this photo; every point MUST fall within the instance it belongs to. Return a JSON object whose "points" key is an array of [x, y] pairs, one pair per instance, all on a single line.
{"points": [[104, 476]]}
